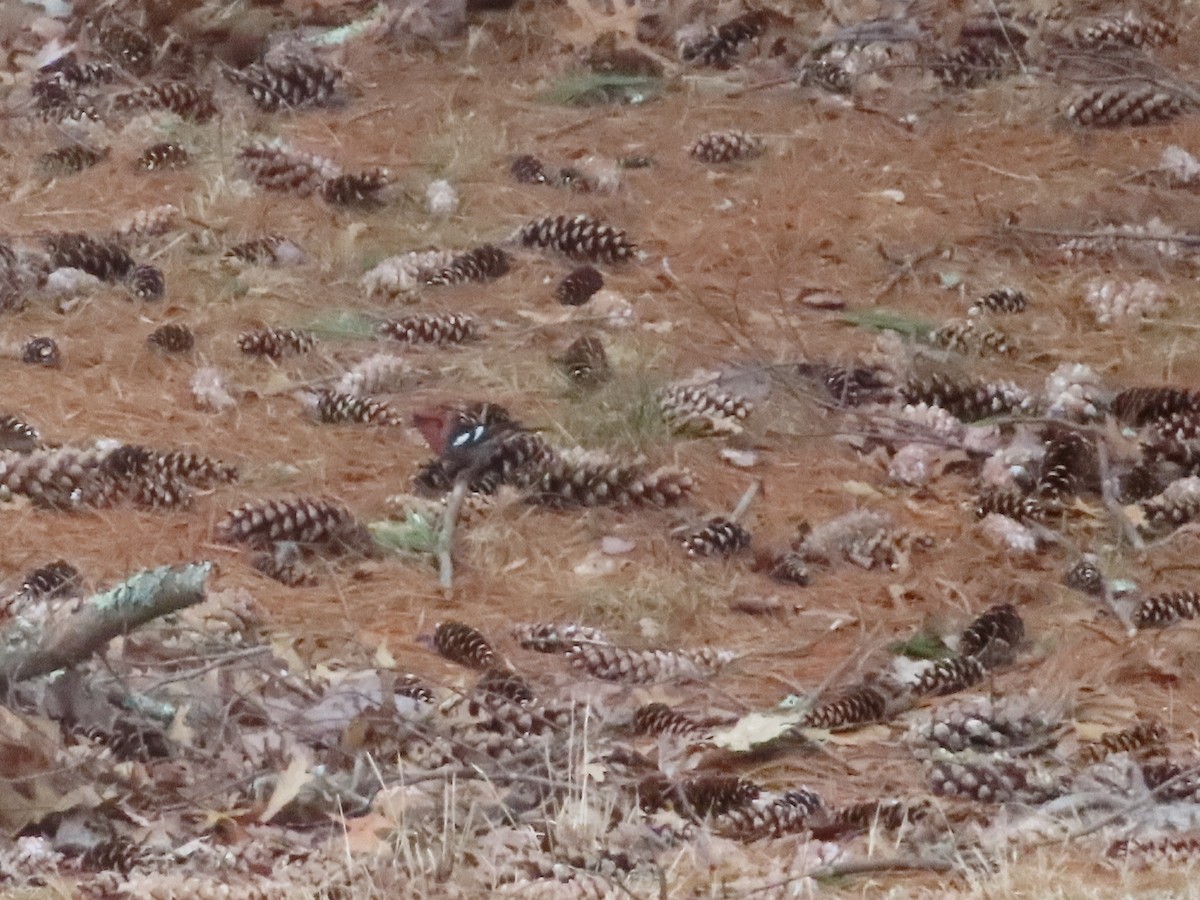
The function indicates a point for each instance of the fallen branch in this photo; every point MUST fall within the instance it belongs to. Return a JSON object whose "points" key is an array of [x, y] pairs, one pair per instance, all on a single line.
{"points": [[27, 651]]}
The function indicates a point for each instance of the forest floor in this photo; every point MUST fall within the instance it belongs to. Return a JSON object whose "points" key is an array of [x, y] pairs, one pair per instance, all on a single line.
{"points": [[901, 204]]}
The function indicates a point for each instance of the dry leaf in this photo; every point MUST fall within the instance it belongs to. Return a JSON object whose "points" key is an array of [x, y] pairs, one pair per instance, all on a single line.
{"points": [[289, 785]]}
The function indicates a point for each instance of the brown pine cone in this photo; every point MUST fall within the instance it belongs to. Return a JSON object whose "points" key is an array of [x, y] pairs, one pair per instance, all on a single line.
{"points": [[994, 636], [163, 155], [719, 537], [146, 282], [17, 434], [464, 645], [41, 351], [105, 259], [726, 146], [1117, 106], [290, 84], [356, 188], [172, 338], [316, 521], [189, 102], [71, 159], [585, 362], [447, 328], [485, 263], [580, 237], [579, 286], [275, 343]]}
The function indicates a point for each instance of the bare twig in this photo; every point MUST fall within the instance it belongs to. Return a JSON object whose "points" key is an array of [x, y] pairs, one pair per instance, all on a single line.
{"points": [[860, 867], [747, 499], [71, 637], [446, 540]]}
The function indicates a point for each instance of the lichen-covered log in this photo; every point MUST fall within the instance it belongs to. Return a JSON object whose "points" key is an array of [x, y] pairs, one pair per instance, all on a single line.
{"points": [[71, 633]]}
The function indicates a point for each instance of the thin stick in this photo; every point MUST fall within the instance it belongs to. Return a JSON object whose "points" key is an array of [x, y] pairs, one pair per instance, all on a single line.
{"points": [[861, 867], [747, 499], [446, 540]]}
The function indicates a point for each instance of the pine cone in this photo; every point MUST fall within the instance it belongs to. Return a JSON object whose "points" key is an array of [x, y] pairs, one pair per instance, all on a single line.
{"points": [[163, 155], [189, 102], [1165, 609], [275, 343], [146, 282], [987, 725], [1124, 105], [703, 409], [1185, 781], [292, 84], [41, 351], [967, 399], [129, 47], [970, 336], [53, 580], [70, 70], [720, 47], [17, 434], [147, 223], [1070, 465], [974, 64], [1169, 850], [105, 259], [700, 797], [1144, 405], [528, 170], [861, 818], [948, 676], [334, 408], [611, 663], [511, 457], [585, 362], [446, 328], [411, 686], [485, 263], [60, 478], [578, 477], [464, 645], [71, 159], [1004, 300], [316, 521], [119, 854], [655, 719], [1178, 504], [1129, 30], [285, 564], [1010, 502], [172, 338], [791, 568], [860, 705], [771, 816], [1142, 739], [1085, 576], [270, 249], [578, 287], [990, 781], [356, 189], [276, 167], [1174, 440], [726, 146], [993, 637], [201, 472], [581, 237], [499, 686], [828, 76], [849, 386], [554, 638], [719, 537], [56, 101]]}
